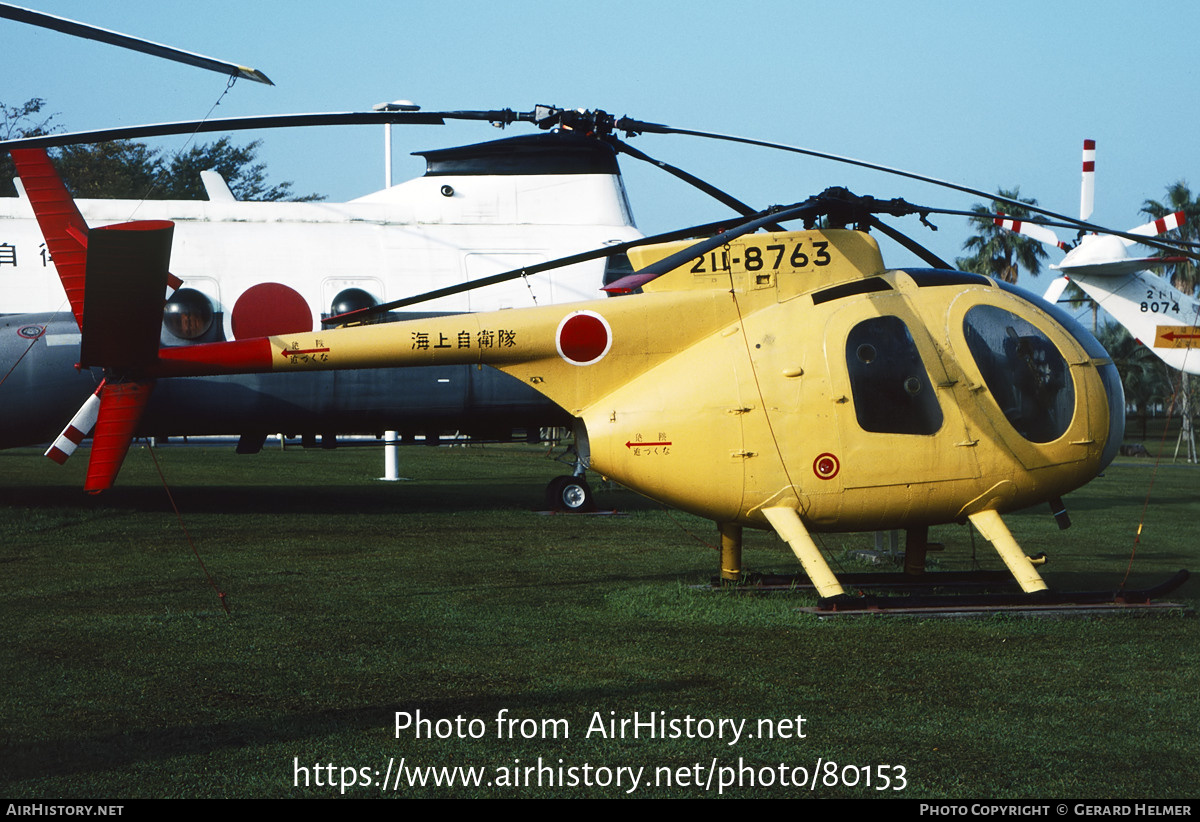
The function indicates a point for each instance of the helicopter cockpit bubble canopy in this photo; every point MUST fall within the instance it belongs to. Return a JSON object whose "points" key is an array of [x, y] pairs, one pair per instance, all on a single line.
{"points": [[1107, 370]]}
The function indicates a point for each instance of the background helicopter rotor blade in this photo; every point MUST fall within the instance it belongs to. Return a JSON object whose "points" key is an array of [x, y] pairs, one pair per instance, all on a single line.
{"points": [[1087, 188], [597, 124], [504, 276], [89, 32], [1156, 227], [1035, 230]]}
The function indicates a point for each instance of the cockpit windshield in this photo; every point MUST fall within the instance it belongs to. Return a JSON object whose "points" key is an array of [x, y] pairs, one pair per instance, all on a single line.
{"points": [[1023, 370]]}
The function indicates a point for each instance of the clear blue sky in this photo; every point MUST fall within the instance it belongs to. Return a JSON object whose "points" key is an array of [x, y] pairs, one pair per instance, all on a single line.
{"points": [[988, 95]]}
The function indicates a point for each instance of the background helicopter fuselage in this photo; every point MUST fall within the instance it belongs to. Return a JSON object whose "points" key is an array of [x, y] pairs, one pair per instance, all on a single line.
{"points": [[250, 268]]}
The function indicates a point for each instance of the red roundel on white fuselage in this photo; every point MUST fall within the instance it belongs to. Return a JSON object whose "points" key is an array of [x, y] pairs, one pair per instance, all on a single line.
{"points": [[583, 338], [267, 309]]}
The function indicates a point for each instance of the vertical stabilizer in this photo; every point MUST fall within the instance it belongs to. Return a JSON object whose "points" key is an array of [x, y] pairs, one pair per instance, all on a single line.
{"points": [[62, 225]]}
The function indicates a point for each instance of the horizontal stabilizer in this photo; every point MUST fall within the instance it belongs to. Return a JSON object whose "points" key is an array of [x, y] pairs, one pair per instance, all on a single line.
{"points": [[1115, 268], [126, 283], [121, 407]]}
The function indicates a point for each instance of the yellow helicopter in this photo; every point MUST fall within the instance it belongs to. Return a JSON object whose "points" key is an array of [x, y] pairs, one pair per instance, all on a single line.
{"points": [[785, 380]]}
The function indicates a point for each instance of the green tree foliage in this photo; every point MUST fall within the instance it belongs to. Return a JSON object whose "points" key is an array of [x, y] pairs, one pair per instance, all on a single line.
{"points": [[126, 169], [25, 120], [1147, 380], [998, 252], [246, 178], [122, 170]]}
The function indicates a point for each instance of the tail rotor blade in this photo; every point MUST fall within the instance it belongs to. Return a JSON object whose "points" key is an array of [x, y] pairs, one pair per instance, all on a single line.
{"points": [[62, 225], [79, 427]]}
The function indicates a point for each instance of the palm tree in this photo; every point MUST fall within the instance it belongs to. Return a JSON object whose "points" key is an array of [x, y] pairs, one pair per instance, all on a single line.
{"points": [[1185, 276], [998, 252], [1145, 378]]}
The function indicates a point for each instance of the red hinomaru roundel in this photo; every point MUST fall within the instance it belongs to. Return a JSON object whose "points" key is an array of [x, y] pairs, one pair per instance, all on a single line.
{"points": [[583, 338], [826, 466]]}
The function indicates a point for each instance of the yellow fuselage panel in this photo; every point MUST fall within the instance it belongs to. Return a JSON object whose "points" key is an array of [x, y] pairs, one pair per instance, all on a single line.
{"points": [[778, 265], [676, 436]]}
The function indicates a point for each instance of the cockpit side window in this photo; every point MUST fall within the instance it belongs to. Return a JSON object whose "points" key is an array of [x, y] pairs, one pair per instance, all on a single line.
{"points": [[891, 388], [1023, 370]]}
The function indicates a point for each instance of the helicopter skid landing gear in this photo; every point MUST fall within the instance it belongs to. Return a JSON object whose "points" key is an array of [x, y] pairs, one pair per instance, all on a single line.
{"points": [[571, 495], [996, 532], [786, 521], [1040, 602], [731, 551]]}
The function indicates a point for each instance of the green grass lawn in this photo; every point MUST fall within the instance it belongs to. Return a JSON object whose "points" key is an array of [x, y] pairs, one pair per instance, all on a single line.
{"points": [[352, 600]]}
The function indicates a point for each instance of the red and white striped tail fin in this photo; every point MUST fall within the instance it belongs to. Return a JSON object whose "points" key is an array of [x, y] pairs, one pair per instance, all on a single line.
{"points": [[1087, 188], [79, 427], [1037, 232]]}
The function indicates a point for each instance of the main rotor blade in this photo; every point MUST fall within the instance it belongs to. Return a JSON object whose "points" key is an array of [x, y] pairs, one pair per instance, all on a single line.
{"points": [[230, 124], [537, 268], [49, 21], [1176, 246], [908, 242], [809, 207], [692, 180], [631, 126], [637, 126]]}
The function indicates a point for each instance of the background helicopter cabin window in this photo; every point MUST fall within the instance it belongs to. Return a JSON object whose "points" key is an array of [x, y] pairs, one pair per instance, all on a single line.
{"points": [[892, 391], [1024, 371]]}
